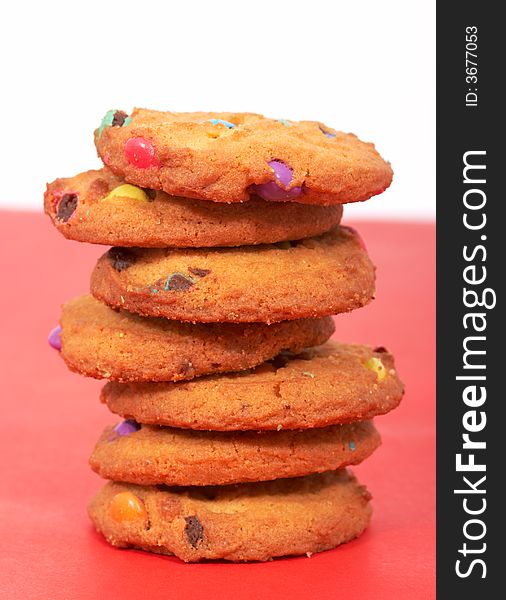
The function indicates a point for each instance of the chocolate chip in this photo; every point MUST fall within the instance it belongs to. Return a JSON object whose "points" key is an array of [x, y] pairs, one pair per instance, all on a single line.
{"points": [[118, 118], [199, 272], [151, 194], [380, 349], [178, 283], [66, 207], [121, 258], [193, 531]]}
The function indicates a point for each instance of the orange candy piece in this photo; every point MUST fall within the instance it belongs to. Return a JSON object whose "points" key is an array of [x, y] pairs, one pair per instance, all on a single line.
{"points": [[126, 506]]}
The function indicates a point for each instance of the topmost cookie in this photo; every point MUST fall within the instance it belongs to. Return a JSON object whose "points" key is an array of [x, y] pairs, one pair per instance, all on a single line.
{"points": [[226, 156]]}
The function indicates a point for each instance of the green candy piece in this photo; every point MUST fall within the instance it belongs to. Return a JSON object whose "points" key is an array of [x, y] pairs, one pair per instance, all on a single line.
{"points": [[108, 119]]}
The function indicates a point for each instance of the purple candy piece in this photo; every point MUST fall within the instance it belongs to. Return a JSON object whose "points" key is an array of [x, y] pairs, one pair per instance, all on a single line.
{"points": [[126, 427], [276, 190], [329, 134], [54, 338]]}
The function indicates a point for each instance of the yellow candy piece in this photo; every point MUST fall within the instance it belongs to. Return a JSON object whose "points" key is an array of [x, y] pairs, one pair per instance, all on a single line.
{"points": [[127, 191], [126, 506], [375, 364]]}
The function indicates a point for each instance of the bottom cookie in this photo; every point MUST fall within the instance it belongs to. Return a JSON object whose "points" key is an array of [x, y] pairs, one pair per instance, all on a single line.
{"points": [[253, 521]]}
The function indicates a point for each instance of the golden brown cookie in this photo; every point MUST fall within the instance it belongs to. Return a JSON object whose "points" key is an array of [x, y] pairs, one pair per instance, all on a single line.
{"points": [[150, 454], [315, 277], [331, 384], [254, 521], [100, 342], [101, 208], [225, 157]]}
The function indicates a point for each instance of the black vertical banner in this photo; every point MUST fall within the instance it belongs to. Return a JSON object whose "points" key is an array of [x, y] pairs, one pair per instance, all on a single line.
{"points": [[471, 353]]}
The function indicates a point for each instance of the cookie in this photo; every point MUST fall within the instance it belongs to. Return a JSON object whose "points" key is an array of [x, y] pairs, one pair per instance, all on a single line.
{"points": [[151, 455], [254, 521], [315, 277], [101, 208], [331, 384], [102, 343], [227, 157]]}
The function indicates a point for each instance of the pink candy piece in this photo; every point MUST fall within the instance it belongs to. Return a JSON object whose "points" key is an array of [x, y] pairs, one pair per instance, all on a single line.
{"points": [[140, 153], [54, 338], [276, 190]]}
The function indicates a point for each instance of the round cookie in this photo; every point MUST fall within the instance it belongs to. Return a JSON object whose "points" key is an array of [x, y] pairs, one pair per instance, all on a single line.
{"points": [[100, 208], [315, 277], [331, 384], [226, 157], [151, 455], [102, 343], [255, 521]]}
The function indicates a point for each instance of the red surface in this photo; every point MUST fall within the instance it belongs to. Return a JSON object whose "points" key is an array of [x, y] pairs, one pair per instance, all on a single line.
{"points": [[51, 419]]}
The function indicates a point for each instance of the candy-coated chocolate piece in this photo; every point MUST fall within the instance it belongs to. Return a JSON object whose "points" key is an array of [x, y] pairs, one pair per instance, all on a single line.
{"points": [[227, 124], [140, 153], [127, 191], [329, 134], [126, 506], [113, 118], [375, 364], [54, 338], [106, 121], [277, 189], [126, 427]]}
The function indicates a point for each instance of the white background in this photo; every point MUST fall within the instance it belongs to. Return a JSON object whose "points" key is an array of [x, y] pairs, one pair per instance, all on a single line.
{"points": [[361, 66]]}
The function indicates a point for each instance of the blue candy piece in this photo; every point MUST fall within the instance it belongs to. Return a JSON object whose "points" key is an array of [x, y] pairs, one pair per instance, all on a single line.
{"points": [[352, 446], [227, 124], [108, 120], [284, 122]]}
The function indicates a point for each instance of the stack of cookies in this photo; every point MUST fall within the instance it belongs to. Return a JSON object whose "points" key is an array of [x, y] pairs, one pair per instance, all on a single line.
{"points": [[210, 316]]}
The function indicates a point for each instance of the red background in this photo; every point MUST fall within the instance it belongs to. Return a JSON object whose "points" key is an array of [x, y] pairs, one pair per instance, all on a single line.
{"points": [[52, 418]]}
